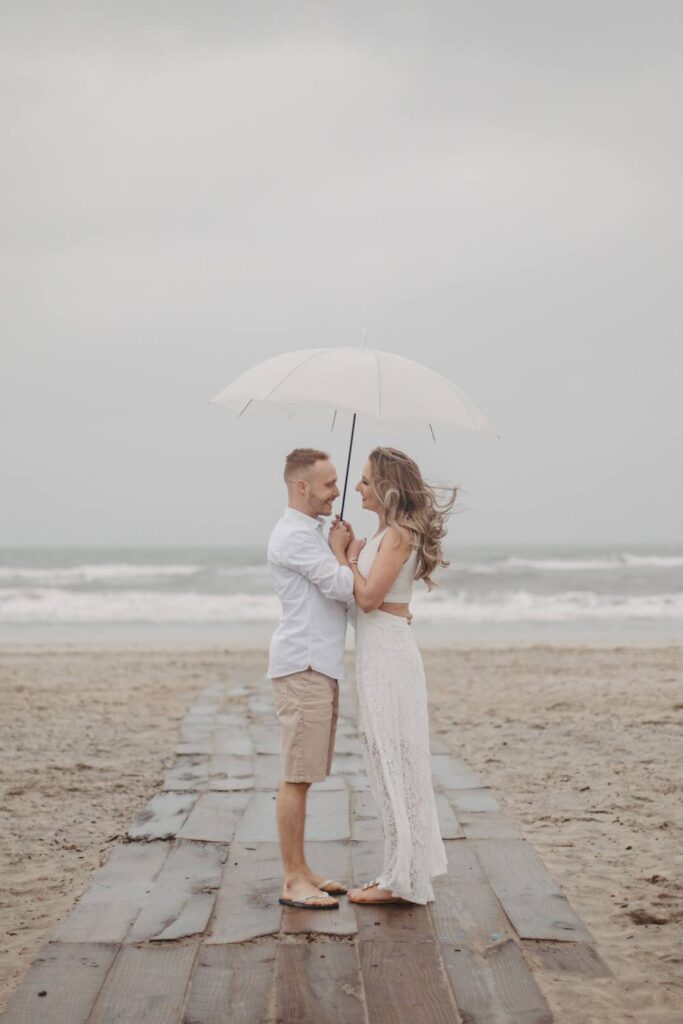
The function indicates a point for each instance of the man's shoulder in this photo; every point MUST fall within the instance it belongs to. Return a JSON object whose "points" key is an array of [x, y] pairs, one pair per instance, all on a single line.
{"points": [[286, 531]]}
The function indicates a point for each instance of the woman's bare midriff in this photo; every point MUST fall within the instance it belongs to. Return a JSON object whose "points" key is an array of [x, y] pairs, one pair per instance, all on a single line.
{"points": [[394, 608]]}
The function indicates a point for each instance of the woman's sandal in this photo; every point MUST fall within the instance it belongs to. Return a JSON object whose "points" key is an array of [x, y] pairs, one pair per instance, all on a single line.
{"points": [[373, 903]]}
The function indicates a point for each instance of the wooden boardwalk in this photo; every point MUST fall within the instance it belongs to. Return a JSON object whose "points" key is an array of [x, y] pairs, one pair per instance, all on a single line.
{"points": [[182, 923]]}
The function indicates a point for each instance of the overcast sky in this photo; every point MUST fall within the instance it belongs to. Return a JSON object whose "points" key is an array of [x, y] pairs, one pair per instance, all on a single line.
{"points": [[187, 189]]}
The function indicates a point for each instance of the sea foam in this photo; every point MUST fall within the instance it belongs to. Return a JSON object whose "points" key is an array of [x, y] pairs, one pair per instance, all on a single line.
{"points": [[52, 604]]}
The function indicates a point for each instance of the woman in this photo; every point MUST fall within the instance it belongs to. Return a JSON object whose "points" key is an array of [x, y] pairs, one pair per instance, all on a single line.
{"points": [[392, 696]]}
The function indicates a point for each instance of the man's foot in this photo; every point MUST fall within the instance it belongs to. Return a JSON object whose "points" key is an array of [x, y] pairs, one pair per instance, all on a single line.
{"points": [[327, 884], [304, 891], [371, 893]]}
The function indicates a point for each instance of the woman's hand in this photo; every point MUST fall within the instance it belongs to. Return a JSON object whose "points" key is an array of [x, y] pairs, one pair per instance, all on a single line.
{"points": [[355, 547]]}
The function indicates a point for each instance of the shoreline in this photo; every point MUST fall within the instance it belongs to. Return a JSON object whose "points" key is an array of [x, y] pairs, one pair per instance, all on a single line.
{"points": [[578, 744], [430, 636]]}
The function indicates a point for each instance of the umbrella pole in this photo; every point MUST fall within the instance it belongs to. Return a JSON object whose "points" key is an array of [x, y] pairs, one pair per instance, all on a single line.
{"points": [[348, 463]]}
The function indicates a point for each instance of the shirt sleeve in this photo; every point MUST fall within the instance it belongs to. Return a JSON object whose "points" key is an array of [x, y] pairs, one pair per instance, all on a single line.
{"points": [[302, 552]]}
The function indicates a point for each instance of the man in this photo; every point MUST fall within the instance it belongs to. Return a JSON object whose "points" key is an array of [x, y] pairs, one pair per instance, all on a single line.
{"points": [[306, 657]]}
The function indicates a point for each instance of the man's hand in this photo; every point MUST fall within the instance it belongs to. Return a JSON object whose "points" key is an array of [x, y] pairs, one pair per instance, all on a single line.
{"points": [[347, 525], [339, 538]]}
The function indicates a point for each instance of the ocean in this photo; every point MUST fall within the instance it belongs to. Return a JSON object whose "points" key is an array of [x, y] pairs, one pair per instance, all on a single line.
{"points": [[487, 595]]}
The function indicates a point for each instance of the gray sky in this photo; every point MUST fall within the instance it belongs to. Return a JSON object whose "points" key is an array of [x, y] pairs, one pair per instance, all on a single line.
{"points": [[187, 189]]}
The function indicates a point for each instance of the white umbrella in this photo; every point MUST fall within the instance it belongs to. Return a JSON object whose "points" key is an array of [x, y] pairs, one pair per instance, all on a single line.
{"points": [[380, 385]]}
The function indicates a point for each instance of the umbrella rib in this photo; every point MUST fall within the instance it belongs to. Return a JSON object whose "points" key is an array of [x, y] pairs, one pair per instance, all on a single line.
{"points": [[309, 355], [379, 384]]}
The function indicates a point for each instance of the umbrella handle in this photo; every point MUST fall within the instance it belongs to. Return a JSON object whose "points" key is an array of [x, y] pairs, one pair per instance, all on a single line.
{"points": [[348, 463]]}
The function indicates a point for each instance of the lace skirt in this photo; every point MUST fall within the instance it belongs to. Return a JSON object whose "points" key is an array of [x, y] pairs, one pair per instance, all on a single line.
{"points": [[393, 723]]}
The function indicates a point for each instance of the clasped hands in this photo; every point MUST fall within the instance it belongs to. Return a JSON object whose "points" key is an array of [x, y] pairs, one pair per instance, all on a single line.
{"points": [[343, 540]]}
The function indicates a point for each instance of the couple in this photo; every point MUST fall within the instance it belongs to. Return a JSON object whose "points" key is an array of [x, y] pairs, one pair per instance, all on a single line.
{"points": [[318, 581]]}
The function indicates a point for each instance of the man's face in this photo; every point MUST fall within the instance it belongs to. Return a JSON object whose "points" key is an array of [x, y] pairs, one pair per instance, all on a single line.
{"points": [[322, 488]]}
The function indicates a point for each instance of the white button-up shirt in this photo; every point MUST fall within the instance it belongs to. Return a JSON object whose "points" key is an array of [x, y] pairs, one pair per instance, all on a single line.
{"points": [[314, 590]]}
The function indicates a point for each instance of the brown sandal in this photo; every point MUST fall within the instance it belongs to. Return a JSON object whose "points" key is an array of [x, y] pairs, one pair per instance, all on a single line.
{"points": [[374, 903]]}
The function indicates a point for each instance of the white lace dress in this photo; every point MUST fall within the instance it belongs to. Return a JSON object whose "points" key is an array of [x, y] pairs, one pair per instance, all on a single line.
{"points": [[393, 723]]}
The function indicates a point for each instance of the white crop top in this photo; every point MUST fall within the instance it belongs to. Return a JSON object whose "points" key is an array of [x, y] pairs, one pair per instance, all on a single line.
{"points": [[402, 589]]}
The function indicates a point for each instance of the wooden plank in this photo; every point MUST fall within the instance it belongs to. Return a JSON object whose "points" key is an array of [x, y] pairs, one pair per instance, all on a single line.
{"points": [[232, 983], [258, 824], [365, 825], [466, 909], [332, 860], [228, 772], [358, 783], [437, 745], [346, 727], [348, 702], [267, 771], [184, 893], [319, 983], [162, 816], [495, 985], [488, 825], [261, 705], [228, 784], [117, 893], [576, 958], [214, 817], [327, 817], [347, 744], [196, 729], [230, 718], [146, 983], [347, 764], [266, 738], [188, 772], [530, 897], [406, 986], [472, 800], [217, 690], [448, 823], [62, 984], [198, 746], [329, 784], [233, 740], [247, 902], [231, 764], [201, 709], [451, 774], [239, 691]]}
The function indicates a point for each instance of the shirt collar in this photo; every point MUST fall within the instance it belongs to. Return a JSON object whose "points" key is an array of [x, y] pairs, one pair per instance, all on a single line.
{"points": [[314, 523]]}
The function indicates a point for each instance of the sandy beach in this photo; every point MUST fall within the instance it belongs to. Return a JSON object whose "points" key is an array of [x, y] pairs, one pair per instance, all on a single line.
{"points": [[582, 747]]}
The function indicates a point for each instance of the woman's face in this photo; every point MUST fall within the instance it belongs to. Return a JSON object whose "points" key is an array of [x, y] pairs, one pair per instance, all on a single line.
{"points": [[368, 499]]}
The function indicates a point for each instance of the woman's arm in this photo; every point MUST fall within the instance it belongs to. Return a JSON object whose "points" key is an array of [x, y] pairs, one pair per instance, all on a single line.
{"points": [[393, 552]]}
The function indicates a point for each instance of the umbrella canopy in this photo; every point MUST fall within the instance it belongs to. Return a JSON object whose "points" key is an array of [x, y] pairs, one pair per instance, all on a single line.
{"points": [[381, 385]]}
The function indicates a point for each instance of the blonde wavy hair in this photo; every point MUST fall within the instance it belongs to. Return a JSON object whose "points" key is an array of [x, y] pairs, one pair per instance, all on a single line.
{"points": [[408, 500]]}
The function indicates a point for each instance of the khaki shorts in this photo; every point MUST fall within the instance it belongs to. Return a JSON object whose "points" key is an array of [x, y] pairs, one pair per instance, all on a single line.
{"points": [[307, 705]]}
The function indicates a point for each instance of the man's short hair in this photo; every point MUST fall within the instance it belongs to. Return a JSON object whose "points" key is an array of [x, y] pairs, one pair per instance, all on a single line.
{"points": [[301, 460]]}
